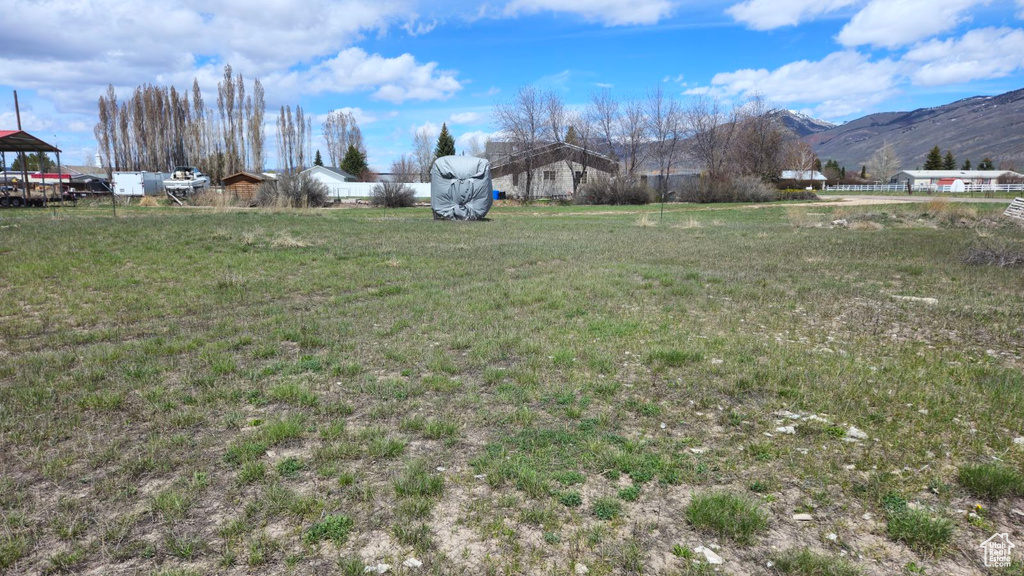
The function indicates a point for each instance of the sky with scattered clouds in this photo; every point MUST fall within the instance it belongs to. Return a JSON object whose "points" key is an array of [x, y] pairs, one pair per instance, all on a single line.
{"points": [[402, 65]]}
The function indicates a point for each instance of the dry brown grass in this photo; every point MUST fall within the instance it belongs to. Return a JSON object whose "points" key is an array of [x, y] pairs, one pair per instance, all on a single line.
{"points": [[149, 201]]}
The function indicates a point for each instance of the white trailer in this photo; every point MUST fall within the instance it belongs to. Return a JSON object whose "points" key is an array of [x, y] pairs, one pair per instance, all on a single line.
{"points": [[138, 183]]}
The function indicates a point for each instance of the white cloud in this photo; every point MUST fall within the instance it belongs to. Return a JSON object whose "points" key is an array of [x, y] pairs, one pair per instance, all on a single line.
{"points": [[477, 137], [173, 41], [395, 79], [607, 12], [769, 14], [419, 28], [980, 54], [841, 84], [429, 128], [895, 23], [465, 118]]}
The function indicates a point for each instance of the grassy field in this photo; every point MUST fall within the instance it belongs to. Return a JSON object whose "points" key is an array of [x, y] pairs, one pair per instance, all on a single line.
{"points": [[190, 391]]}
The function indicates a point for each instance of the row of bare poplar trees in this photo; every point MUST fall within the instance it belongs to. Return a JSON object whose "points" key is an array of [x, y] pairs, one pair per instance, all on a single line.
{"points": [[159, 127]]}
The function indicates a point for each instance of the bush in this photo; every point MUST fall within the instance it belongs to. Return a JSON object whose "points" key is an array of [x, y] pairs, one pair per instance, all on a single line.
{"points": [[393, 195], [991, 481], [292, 191], [614, 191], [741, 189], [727, 515], [796, 195], [920, 530]]}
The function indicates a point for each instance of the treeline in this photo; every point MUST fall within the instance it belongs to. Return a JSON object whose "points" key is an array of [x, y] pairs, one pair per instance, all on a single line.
{"points": [[655, 133], [159, 127]]}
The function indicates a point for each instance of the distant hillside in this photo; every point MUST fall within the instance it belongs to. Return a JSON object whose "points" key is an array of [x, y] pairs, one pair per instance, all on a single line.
{"points": [[973, 128]]}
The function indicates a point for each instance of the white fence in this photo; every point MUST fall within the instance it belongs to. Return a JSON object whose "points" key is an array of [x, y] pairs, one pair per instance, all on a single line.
{"points": [[967, 188], [365, 190]]}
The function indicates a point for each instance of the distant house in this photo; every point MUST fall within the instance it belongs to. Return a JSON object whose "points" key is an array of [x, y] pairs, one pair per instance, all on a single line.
{"points": [[335, 179], [803, 175], [243, 185], [929, 178], [553, 168]]}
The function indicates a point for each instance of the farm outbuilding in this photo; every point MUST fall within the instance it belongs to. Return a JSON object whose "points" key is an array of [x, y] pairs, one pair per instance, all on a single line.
{"points": [[919, 179], [243, 185]]}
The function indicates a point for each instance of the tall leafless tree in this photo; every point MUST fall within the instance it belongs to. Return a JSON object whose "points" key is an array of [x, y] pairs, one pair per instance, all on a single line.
{"points": [[423, 151], [667, 131], [884, 164], [603, 115], [712, 128], [759, 145], [340, 130], [522, 121]]}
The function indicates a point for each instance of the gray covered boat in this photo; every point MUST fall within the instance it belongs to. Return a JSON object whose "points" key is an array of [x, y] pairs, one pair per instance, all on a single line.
{"points": [[460, 188]]}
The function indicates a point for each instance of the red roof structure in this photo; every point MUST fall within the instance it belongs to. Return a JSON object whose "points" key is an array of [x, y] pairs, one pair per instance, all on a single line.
{"points": [[21, 141]]}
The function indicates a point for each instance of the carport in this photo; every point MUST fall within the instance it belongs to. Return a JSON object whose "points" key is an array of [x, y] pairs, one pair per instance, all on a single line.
{"points": [[21, 142]]}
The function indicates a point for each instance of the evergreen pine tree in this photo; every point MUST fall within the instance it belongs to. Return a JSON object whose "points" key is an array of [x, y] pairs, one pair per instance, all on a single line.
{"points": [[967, 165], [842, 172], [986, 164], [318, 161], [817, 164], [863, 172], [934, 159], [571, 137], [354, 162], [949, 163], [445, 143]]}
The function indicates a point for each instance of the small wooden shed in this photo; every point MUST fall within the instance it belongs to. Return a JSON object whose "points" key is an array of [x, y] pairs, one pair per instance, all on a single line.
{"points": [[243, 185]]}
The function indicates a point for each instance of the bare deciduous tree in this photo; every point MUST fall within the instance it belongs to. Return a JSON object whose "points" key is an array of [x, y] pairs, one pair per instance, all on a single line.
{"points": [[667, 132], [522, 120], [405, 170], [633, 135], [603, 115], [423, 151], [340, 130], [760, 141], [711, 128], [884, 164]]}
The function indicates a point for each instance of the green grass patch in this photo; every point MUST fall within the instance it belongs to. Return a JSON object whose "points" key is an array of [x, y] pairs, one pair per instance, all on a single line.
{"points": [[991, 481], [335, 527], [807, 563], [728, 515]]}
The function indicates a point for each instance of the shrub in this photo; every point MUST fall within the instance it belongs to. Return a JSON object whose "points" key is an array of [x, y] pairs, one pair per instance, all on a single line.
{"points": [[741, 189], [292, 191], [807, 563], [991, 481], [727, 515], [392, 195], [334, 528], [796, 195], [920, 530], [606, 508], [614, 191]]}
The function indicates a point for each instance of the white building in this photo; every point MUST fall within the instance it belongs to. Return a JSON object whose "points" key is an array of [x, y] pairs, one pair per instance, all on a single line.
{"points": [[338, 181], [553, 168], [922, 179]]}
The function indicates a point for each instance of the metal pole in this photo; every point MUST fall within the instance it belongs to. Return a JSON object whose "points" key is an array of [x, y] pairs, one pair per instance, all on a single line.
{"points": [[24, 159]]}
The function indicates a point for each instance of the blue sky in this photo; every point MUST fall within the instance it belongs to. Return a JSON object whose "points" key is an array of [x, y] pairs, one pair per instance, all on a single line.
{"points": [[403, 65]]}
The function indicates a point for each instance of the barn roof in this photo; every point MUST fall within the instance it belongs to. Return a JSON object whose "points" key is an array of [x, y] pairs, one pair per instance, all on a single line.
{"points": [[549, 154], [21, 141]]}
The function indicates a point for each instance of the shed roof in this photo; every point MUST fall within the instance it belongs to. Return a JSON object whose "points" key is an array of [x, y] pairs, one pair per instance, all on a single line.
{"points": [[21, 141], [551, 153], [238, 176]]}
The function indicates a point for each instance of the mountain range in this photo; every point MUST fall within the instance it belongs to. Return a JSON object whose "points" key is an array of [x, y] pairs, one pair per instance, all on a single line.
{"points": [[972, 128]]}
